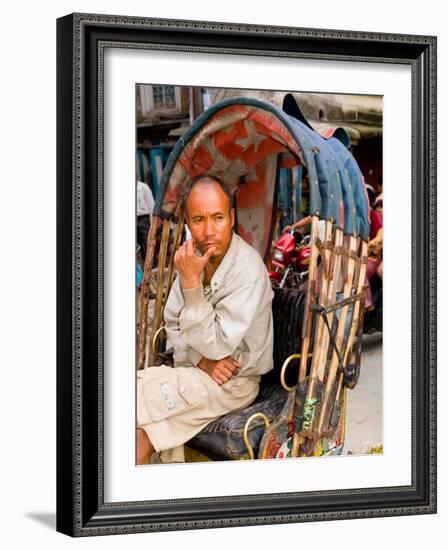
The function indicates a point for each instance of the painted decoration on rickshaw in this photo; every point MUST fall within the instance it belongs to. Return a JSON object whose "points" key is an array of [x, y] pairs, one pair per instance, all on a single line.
{"points": [[244, 146]]}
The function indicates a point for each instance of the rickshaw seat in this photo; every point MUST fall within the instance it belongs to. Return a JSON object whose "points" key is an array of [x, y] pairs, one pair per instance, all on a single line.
{"points": [[222, 439]]}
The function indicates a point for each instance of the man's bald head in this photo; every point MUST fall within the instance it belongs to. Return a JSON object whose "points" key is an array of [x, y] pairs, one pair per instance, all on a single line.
{"points": [[205, 179]]}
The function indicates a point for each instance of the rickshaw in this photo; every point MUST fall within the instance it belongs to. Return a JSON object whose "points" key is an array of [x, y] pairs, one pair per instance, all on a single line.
{"points": [[300, 409]]}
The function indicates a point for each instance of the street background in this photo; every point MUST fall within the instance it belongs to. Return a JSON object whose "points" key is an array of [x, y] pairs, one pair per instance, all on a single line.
{"points": [[27, 226], [364, 428]]}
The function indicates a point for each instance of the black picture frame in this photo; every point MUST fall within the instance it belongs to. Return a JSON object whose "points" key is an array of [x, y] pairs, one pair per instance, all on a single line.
{"points": [[81, 510]]}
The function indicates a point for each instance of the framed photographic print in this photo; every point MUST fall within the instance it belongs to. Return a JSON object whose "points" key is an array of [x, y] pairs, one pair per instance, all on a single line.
{"points": [[239, 342]]}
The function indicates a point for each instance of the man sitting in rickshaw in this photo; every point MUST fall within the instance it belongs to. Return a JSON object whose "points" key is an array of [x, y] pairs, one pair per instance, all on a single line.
{"points": [[218, 319]]}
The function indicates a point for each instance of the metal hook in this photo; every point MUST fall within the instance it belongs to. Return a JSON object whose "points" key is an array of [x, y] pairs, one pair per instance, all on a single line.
{"points": [[246, 429], [283, 370], [154, 344]]}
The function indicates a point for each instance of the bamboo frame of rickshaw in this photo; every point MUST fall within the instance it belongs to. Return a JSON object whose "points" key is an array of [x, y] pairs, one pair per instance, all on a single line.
{"points": [[145, 291], [322, 340], [359, 277], [158, 305], [307, 321], [339, 338], [176, 242], [316, 434], [356, 310], [333, 276], [311, 290], [327, 296], [319, 339]]}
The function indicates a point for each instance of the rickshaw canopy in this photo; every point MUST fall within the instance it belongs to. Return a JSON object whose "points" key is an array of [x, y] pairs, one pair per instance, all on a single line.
{"points": [[245, 142]]}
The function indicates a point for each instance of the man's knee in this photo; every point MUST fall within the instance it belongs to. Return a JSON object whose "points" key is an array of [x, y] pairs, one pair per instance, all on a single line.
{"points": [[144, 447]]}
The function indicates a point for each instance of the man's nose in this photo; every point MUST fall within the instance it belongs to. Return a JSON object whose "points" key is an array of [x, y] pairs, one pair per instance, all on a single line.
{"points": [[209, 227]]}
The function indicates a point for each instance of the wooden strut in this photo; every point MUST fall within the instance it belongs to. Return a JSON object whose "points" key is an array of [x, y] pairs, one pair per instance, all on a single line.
{"points": [[339, 338], [360, 278], [307, 320], [317, 376], [335, 265], [176, 241], [160, 284], [311, 290], [319, 350], [145, 292]]}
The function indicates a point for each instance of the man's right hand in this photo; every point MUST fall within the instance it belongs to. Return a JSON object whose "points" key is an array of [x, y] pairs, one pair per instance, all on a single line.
{"points": [[190, 265], [222, 370]]}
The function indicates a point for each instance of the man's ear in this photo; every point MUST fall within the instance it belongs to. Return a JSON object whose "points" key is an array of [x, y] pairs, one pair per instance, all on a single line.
{"points": [[232, 216]]}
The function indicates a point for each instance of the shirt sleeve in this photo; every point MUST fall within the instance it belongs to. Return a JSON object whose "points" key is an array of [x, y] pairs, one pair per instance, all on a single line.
{"points": [[217, 332], [183, 354]]}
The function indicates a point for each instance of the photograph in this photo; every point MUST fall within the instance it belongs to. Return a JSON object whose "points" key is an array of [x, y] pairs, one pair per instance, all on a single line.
{"points": [[238, 343], [259, 274]]}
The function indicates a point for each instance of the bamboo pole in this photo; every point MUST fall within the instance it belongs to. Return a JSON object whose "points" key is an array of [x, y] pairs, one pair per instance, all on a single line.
{"points": [[310, 400], [160, 283], [307, 320], [335, 264], [176, 241], [145, 292], [323, 341], [311, 291], [339, 338], [356, 309], [357, 306]]}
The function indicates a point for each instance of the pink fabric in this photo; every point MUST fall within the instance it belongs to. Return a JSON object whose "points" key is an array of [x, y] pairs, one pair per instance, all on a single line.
{"points": [[368, 299], [372, 266], [376, 222]]}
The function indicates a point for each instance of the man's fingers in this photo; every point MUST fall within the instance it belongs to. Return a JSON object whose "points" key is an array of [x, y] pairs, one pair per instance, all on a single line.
{"points": [[189, 249], [224, 370], [219, 378], [232, 363], [230, 366]]}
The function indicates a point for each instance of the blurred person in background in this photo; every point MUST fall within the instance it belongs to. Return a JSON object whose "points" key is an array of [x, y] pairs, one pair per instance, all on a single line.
{"points": [[145, 205]]}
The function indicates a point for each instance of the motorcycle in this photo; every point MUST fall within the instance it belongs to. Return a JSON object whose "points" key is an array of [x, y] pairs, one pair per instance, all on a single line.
{"points": [[290, 258]]}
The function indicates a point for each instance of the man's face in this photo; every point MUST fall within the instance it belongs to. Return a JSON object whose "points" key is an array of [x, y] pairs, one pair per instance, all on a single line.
{"points": [[209, 218]]}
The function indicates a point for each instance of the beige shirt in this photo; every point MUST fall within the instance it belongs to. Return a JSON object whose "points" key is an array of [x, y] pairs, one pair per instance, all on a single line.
{"points": [[232, 316]]}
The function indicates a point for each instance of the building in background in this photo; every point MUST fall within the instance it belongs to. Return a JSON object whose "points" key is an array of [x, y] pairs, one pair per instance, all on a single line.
{"points": [[164, 113]]}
